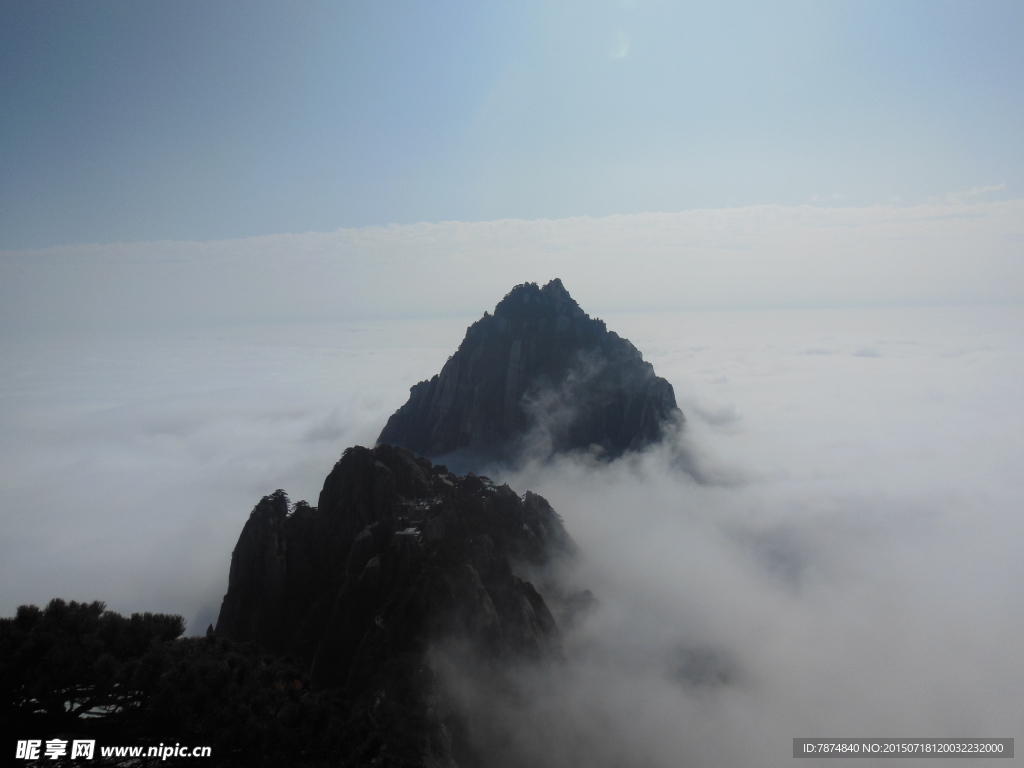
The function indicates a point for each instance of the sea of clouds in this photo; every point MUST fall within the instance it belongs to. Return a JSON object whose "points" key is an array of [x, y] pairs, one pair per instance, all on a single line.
{"points": [[847, 563], [844, 561]]}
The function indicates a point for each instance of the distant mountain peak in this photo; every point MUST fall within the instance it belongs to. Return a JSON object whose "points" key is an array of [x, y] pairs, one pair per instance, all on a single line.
{"points": [[530, 298], [536, 378]]}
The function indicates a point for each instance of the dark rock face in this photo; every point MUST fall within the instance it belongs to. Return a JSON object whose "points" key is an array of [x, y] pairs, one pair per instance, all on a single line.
{"points": [[538, 377], [399, 554], [400, 557]]}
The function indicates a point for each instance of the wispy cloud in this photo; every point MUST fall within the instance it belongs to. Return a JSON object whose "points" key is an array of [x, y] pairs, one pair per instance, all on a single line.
{"points": [[761, 256], [979, 191]]}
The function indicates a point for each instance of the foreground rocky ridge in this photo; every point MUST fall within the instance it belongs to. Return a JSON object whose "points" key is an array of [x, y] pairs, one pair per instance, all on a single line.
{"points": [[398, 555], [537, 377]]}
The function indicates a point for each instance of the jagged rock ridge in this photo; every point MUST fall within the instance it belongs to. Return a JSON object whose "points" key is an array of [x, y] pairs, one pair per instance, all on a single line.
{"points": [[537, 377], [398, 554]]}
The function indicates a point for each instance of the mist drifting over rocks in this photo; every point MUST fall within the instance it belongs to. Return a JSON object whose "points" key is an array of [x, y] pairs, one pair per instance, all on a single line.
{"points": [[731, 617]]}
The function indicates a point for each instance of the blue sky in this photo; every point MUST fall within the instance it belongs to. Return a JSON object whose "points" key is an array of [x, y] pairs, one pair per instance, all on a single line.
{"points": [[127, 121]]}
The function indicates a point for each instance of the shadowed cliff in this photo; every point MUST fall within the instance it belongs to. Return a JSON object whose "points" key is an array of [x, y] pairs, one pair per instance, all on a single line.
{"points": [[537, 377], [399, 556]]}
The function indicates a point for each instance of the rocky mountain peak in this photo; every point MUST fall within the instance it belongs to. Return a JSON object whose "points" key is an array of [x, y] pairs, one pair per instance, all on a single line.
{"points": [[538, 377], [529, 299]]}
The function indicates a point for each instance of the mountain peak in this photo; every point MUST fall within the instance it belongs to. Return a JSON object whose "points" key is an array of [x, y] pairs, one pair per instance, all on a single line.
{"points": [[530, 299], [537, 377]]}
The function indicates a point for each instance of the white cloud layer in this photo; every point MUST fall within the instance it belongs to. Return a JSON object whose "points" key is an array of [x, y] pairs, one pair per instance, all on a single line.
{"points": [[754, 257], [853, 571]]}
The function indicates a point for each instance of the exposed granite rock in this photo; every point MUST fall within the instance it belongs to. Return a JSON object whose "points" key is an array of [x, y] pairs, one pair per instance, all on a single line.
{"points": [[537, 377], [398, 554]]}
